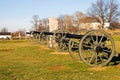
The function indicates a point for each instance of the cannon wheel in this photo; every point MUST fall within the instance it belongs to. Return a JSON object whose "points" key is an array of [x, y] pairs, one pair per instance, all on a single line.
{"points": [[43, 39], [96, 48], [34, 37], [63, 44], [57, 40], [74, 46]]}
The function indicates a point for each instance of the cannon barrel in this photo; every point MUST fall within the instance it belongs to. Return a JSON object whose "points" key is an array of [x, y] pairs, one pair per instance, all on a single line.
{"points": [[38, 32], [27, 32], [76, 36], [68, 35], [48, 33]]}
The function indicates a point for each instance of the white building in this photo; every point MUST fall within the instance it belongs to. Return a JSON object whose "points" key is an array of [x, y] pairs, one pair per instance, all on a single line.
{"points": [[5, 35], [53, 24], [93, 25]]}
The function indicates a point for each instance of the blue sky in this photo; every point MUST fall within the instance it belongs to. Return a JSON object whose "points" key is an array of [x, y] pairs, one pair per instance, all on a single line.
{"points": [[17, 14]]}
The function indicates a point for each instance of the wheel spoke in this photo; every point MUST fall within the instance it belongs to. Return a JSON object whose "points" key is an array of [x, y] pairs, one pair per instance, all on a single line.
{"points": [[87, 46], [107, 51], [101, 59], [92, 38], [92, 57], [96, 59], [106, 55], [96, 39], [101, 39]]}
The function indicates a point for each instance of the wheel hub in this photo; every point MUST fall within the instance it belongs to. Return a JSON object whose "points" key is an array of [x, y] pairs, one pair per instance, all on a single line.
{"points": [[98, 49]]}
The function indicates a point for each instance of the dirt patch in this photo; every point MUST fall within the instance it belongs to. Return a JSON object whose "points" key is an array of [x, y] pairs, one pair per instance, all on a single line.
{"points": [[5, 49], [56, 68], [43, 48], [97, 69], [60, 53], [118, 65]]}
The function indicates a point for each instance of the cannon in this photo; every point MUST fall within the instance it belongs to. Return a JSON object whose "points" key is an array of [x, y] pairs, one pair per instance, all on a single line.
{"points": [[95, 47], [39, 36], [51, 39]]}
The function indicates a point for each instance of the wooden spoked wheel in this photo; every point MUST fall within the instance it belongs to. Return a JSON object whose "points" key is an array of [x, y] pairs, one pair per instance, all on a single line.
{"points": [[96, 48], [74, 46], [58, 40], [34, 37], [43, 39]]}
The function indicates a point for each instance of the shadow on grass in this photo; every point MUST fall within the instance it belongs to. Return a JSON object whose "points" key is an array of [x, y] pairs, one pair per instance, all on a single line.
{"points": [[116, 59]]}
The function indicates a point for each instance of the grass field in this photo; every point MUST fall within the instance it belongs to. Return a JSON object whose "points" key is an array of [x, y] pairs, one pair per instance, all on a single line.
{"points": [[23, 60]]}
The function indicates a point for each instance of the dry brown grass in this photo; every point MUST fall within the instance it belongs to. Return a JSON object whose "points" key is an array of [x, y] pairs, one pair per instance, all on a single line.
{"points": [[56, 52], [118, 65], [113, 32], [98, 68], [56, 68], [43, 48]]}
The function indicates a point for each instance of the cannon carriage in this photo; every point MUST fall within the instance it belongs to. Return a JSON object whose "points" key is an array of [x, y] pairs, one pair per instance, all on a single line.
{"points": [[95, 47]]}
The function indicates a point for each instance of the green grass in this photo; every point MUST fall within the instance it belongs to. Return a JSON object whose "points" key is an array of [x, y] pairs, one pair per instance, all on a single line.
{"points": [[117, 42], [23, 60]]}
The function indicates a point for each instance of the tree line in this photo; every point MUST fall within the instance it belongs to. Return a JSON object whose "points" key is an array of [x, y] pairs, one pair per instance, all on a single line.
{"points": [[101, 11]]}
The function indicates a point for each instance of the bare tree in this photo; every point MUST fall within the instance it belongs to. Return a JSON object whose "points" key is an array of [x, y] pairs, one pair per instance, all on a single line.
{"points": [[113, 14], [60, 20], [82, 20], [78, 16], [46, 23], [68, 22], [104, 11], [61, 23], [43, 24], [35, 22], [4, 29], [40, 26]]}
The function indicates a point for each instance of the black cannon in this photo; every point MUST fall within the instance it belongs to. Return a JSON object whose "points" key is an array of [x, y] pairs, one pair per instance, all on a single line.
{"points": [[95, 47]]}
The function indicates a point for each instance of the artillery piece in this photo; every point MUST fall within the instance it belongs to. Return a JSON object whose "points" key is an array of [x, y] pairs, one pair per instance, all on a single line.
{"points": [[95, 47]]}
